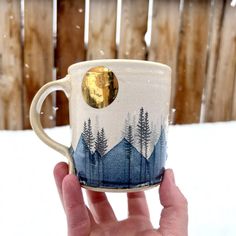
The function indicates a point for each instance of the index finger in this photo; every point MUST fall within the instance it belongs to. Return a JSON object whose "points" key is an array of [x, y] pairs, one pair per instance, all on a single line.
{"points": [[60, 172], [78, 219]]}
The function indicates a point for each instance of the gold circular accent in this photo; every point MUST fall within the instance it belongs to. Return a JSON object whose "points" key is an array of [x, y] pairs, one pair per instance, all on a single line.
{"points": [[99, 87]]}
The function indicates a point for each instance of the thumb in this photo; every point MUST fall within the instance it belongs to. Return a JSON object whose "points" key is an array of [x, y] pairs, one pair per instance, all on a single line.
{"points": [[174, 216]]}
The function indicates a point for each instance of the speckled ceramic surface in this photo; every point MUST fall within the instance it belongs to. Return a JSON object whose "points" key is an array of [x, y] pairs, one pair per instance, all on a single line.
{"points": [[118, 118]]}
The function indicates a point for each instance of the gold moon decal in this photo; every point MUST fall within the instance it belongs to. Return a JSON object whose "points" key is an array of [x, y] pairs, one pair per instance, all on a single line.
{"points": [[99, 87]]}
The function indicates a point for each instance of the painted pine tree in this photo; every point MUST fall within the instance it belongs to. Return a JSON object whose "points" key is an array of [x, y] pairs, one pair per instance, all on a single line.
{"points": [[126, 126], [140, 130], [134, 126], [140, 136], [98, 149], [128, 150], [88, 140], [101, 148], [144, 138], [147, 139], [130, 138], [84, 141], [103, 144], [146, 135], [98, 142], [89, 137]]}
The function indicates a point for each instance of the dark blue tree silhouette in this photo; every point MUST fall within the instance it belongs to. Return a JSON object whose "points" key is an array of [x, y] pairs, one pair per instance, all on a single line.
{"points": [[146, 141], [140, 129], [101, 148], [147, 134], [103, 144], [89, 136], [140, 135], [128, 149], [144, 138], [84, 141], [129, 136], [98, 142], [126, 126], [88, 141]]}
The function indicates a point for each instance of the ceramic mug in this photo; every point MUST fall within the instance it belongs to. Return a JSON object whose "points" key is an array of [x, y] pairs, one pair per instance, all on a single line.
{"points": [[118, 118]]}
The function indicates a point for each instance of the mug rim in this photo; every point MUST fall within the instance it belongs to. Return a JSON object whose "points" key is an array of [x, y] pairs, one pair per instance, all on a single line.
{"points": [[162, 66]]}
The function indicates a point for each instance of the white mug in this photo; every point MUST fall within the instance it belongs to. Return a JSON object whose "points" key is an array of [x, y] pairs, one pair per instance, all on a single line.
{"points": [[118, 118]]}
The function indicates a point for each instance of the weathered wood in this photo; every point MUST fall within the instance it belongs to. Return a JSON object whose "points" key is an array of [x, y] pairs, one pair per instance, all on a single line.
{"points": [[213, 55], [233, 114], [198, 43], [221, 73], [102, 29], [134, 15], [164, 36], [191, 60], [38, 56], [70, 46], [10, 66]]}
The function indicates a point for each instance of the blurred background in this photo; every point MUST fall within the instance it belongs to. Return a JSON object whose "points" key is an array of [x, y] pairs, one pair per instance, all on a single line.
{"points": [[196, 38], [40, 39]]}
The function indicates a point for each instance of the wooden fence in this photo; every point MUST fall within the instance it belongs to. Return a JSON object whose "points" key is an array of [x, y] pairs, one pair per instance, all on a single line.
{"points": [[197, 38]]}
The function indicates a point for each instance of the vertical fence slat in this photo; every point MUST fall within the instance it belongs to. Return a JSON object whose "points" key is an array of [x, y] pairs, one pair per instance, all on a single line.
{"points": [[184, 48], [191, 60], [214, 45], [221, 76], [233, 116], [70, 46], [164, 36], [10, 66], [102, 29], [134, 16], [38, 56]]}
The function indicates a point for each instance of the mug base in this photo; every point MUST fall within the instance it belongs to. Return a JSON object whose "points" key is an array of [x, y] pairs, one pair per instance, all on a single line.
{"points": [[120, 190]]}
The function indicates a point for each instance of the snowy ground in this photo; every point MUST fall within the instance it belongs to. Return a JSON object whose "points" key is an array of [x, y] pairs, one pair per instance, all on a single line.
{"points": [[202, 156]]}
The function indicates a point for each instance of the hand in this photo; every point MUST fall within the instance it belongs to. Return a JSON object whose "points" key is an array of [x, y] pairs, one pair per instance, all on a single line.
{"points": [[99, 218]]}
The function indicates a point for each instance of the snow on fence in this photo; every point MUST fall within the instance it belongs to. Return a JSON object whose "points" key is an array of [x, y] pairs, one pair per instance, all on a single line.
{"points": [[196, 38]]}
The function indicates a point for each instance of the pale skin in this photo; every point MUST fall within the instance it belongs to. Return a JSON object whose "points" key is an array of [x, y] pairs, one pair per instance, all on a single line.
{"points": [[99, 217]]}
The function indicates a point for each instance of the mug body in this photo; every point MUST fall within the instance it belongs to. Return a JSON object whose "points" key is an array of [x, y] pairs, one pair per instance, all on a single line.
{"points": [[119, 118]]}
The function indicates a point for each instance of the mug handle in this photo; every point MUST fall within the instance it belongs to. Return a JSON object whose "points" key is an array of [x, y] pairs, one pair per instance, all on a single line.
{"points": [[35, 110]]}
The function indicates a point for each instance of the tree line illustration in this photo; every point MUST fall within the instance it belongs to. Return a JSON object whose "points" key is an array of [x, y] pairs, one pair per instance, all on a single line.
{"points": [[128, 164]]}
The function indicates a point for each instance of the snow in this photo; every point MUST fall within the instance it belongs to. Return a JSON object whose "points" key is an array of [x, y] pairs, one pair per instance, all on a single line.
{"points": [[203, 157]]}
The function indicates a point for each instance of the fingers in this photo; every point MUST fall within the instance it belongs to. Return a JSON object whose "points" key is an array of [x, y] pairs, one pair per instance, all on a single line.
{"points": [[77, 214], [100, 207], [60, 171], [174, 217], [137, 204]]}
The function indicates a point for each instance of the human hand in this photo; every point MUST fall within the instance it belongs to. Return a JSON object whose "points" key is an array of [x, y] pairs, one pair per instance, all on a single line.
{"points": [[99, 218]]}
